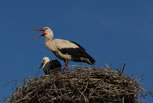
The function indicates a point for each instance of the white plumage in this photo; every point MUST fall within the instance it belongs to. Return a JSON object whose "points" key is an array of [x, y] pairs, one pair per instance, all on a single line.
{"points": [[64, 49]]}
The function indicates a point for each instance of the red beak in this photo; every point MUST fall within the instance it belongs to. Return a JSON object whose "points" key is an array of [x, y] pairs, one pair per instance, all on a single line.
{"points": [[42, 34], [39, 29]]}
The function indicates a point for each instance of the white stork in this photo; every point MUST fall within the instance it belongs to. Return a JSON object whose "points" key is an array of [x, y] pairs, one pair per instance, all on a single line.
{"points": [[50, 66], [64, 49]]}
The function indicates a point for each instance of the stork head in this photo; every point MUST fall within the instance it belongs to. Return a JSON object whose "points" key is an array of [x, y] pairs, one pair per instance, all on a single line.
{"points": [[44, 61], [47, 32]]}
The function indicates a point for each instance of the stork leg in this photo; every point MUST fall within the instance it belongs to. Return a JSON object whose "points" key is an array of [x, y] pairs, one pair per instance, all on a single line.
{"points": [[66, 62]]}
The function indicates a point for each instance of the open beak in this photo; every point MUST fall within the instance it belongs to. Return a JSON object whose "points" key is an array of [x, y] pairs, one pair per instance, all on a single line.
{"points": [[42, 34]]}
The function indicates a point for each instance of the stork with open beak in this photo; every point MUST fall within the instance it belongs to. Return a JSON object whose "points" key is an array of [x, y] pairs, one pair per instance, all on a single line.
{"points": [[64, 49]]}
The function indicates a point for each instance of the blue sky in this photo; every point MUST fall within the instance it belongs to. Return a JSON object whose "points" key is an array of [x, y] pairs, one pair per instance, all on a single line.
{"points": [[113, 31]]}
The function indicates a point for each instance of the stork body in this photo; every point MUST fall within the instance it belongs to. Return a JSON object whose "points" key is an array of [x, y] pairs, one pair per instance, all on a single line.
{"points": [[50, 66], [64, 49]]}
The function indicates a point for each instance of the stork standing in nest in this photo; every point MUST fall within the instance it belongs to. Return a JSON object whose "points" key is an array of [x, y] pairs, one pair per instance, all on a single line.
{"points": [[64, 49]]}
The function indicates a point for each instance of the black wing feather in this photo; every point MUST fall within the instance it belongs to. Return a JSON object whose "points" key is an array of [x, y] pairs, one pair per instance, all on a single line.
{"points": [[55, 64], [77, 45], [52, 66], [77, 53]]}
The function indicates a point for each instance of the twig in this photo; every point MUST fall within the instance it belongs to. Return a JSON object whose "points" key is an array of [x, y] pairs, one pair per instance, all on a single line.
{"points": [[122, 69], [85, 99]]}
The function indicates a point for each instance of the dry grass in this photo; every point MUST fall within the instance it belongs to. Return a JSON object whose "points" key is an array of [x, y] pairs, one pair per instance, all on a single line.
{"points": [[85, 85]]}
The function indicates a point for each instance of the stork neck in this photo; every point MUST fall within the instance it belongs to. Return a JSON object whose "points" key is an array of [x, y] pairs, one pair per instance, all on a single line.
{"points": [[45, 64], [49, 36]]}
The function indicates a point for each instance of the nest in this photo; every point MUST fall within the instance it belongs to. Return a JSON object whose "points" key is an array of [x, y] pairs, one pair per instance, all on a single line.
{"points": [[84, 85]]}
